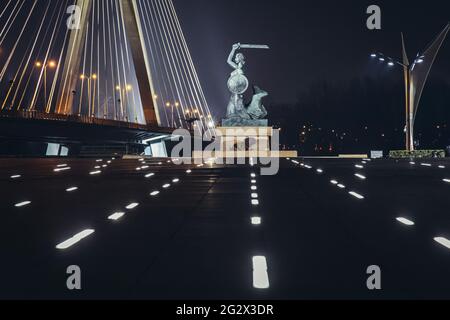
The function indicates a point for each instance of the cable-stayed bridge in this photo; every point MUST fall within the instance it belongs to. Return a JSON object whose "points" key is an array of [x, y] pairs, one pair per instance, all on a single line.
{"points": [[98, 63]]}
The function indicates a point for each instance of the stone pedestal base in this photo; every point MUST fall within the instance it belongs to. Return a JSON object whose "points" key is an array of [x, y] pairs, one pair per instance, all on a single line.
{"points": [[248, 142]]}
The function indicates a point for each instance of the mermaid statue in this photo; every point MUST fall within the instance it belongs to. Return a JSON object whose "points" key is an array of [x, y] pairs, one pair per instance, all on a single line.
{"points": [[240, 113]]}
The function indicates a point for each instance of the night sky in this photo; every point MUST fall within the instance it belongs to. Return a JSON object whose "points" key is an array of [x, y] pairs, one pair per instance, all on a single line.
{"points": [[311, 41]]}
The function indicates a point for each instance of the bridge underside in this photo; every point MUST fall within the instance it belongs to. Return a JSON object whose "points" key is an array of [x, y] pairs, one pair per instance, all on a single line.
{"points": [[30, 134]]}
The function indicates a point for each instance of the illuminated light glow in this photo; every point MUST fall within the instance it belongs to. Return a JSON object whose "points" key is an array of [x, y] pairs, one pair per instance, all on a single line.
{"points": [[260, 275], [390, 63], [131, 206], [253, 181], [254, 188], [104, 166], [255, 202], [149, 175], [356, 195], [367, 160], [254, 195], [159, 163], [138, 169], [62, 169], [381, 59], [443, 241], [93, 173], [253, 175], [296, 162], [341, 186], [116, 216], [75, 239], [334, 182], [145, 167], [168, 161], [167, 185], [359, 166], [412, 163], [188, 171], [360, 176], [71, 189], [405, 221], [319, 171], [446, 180], [256, 221], [97, 167], [176, 180], [99, 160], [22, 204], [308, 167], [373, 55], [17, 176], [141, 159], [426, 165], [61, 165], [288, 159], [154, 193], [200, 165], [109, 162], [441, 167], [363, 162]]}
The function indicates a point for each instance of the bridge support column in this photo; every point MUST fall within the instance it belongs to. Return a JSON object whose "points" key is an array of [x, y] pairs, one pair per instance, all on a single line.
{"points": [[135, 35]]}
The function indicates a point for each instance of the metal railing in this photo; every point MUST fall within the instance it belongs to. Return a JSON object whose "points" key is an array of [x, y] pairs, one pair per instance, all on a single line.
{"points": [[37, 115]]}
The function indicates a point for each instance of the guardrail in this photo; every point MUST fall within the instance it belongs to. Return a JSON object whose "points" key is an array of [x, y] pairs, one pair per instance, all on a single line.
{"points": [[37, 115]]}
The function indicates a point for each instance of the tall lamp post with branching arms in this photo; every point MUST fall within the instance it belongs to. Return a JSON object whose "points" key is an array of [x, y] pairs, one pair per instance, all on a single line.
{"points": [[416, 75]]}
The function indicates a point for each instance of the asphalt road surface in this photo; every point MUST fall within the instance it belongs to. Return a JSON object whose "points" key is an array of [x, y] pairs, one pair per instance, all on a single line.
{"points": [[199, 236]]}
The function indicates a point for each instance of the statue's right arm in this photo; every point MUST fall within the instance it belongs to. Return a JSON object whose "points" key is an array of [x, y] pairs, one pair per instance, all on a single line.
{"points": [[231, 56]]}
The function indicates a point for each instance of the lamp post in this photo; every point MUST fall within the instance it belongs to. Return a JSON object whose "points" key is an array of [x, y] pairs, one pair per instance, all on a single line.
{"points": [[52, 65], [91, 97], [172, 106], [415, 77], [409, 118]]}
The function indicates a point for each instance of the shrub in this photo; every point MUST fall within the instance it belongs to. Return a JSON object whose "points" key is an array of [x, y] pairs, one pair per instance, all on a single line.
{"points": [[417, 154]]}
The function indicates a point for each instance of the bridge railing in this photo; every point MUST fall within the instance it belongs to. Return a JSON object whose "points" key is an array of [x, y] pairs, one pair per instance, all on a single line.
{"points": [[37, 115]]}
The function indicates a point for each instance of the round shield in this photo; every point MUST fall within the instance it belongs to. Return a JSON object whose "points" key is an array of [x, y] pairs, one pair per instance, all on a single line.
{"points": [[238, 84]]}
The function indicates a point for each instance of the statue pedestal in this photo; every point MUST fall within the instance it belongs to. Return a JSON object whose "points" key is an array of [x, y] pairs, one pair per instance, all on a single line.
{"points": [[249, 142], [239, 122]]}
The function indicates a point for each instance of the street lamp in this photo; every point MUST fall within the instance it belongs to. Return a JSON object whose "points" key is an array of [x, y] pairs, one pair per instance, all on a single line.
{"points": [[52, 65], [91, 97], [415, 79], [172, 106]]}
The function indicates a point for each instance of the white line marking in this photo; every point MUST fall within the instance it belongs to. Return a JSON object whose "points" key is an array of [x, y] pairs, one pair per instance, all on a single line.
{"points": [[360, 176], [116, 216], [405, 221], [256, 221], [443, 241], [22, 204], [356, 195], [131, 206], [260, 275], [76, 238]]}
